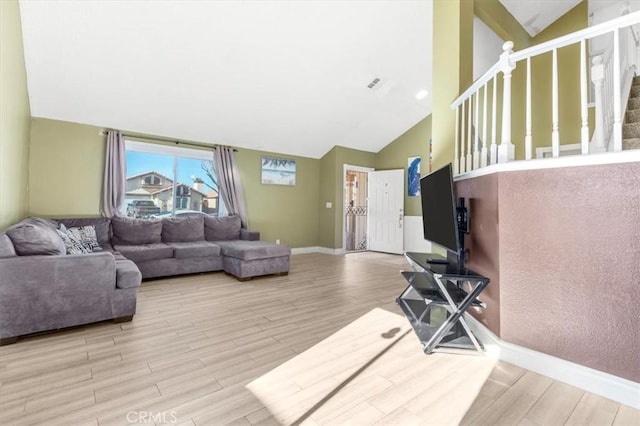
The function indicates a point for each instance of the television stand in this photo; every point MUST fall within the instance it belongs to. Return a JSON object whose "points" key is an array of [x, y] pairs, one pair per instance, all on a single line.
{"points": [[446, 288]]}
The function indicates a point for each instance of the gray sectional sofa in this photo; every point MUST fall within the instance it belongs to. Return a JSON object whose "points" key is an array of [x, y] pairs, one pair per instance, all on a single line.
{"points": [[190, 244], [43, 287]]}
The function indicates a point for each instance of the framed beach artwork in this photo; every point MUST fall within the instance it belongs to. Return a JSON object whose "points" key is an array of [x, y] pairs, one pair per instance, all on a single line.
{"points": [[278, 171]]}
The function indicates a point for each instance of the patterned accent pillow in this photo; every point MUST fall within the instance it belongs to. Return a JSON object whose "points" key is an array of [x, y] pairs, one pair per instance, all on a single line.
{"points": [[86, 235], [72, 245], [79, 240]]}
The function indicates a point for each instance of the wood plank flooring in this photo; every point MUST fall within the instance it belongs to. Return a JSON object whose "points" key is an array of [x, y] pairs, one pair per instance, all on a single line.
{"points": [[207, 350]]}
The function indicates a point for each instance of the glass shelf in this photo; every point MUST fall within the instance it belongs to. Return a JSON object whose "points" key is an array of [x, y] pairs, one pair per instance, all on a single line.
{"points": [[435, 300]]}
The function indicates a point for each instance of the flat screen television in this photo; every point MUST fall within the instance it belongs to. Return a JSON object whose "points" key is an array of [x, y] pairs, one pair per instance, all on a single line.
{"points": [[444, 223]]}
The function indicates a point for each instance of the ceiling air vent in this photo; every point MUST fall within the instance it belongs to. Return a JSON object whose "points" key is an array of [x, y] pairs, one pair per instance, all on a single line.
{"points": [[373, 83]]}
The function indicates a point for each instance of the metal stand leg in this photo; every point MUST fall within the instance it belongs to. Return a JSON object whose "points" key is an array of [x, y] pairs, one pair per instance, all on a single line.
{"points": [[434, 287]]}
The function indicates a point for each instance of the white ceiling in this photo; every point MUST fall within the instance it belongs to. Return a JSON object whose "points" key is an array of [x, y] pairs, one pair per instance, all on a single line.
{"points": [[282, 76], [536, 15]]}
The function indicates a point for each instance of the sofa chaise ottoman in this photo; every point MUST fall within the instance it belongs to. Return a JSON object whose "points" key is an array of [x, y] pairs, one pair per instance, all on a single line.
{"points": [[247, 259]]}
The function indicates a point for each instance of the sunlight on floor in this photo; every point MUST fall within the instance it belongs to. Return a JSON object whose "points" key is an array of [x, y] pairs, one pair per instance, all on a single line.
{"points": [[372, 370]]}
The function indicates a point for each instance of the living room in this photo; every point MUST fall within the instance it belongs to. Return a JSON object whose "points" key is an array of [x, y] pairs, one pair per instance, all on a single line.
{"points": [[53, 167]]}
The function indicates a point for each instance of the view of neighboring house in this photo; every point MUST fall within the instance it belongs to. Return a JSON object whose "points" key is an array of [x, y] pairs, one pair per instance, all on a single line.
{"points": [[159, 188]]}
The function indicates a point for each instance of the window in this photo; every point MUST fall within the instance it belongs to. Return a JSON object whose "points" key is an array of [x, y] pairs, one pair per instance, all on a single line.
{"points": [[151, 180], [171, 180]]}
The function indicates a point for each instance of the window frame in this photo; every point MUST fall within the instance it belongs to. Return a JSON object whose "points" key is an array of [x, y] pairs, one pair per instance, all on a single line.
{"points": [[176, 152]]}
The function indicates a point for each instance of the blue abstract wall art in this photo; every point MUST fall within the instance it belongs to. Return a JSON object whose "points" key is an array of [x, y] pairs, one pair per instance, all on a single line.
{"points": [[413, 174]]}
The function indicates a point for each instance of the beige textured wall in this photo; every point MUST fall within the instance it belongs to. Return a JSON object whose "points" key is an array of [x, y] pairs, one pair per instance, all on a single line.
{"points": [[413, 143], [481, 196], [563, 282], [14, 118], [569, 277]]}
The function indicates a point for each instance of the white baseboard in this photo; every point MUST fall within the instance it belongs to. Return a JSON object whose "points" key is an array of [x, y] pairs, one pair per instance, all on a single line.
{"points": [[317, 249], [604, 384]]}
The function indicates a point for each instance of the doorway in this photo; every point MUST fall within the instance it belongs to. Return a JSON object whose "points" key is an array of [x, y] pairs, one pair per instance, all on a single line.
{"points": [[355, 212], [385, 213]]}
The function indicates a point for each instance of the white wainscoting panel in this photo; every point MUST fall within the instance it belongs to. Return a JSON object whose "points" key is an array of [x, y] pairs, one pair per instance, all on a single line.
{"points": [[414, 235]]}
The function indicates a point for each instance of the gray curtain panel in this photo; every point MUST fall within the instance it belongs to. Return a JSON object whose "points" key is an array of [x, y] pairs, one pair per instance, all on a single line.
{"points": [[113, 184], [229, 184]]}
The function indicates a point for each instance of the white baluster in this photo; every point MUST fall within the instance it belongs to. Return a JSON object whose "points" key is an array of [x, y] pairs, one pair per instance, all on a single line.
{"points": [[607, 101], [463, 165], [584, 130], [485, 143], [476, 142], [528, 139], [555, 132], [456, 141], [469, 136], [617, 110], [597, 78], [506, 150], [494, 122]]}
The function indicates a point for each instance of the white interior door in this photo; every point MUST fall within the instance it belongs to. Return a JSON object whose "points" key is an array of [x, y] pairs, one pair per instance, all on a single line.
{"points": [[385, 209]]}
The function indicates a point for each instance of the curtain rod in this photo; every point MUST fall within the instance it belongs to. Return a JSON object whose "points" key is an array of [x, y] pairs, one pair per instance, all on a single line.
{"points": [[201, 145]]}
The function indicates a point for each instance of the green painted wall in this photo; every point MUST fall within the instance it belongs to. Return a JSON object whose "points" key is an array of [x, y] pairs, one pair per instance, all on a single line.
{"points": [[287, 213], [67, 162], [568, 81], [66, 166], [501, 22], [15, 118], [295, 215], [491, 12], [330, 225], [326, 221], [414, 142], [452, 70], [352, 157]]}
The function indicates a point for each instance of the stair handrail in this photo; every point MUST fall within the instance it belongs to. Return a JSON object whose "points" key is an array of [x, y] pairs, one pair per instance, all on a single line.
{"points": [[505, 151], [548, 46]]}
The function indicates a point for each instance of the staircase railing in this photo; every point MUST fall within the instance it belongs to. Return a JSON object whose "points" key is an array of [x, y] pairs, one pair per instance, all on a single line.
{"points": [[604, 75], [479, 103]]}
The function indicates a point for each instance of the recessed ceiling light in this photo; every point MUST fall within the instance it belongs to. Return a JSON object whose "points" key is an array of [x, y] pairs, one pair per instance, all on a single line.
{"points": [[422, 94]]}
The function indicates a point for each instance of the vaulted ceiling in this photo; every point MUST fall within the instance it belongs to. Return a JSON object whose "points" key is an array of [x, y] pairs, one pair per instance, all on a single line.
{"points": [[283, 76], [295, 77]]}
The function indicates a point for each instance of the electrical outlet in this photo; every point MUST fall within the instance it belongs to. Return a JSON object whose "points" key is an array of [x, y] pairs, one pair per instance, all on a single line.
{"points": [[329, 204], [277, 241]]}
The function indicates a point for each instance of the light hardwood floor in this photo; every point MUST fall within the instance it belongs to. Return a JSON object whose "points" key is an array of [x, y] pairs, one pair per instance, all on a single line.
{"points": [[324, 345]]}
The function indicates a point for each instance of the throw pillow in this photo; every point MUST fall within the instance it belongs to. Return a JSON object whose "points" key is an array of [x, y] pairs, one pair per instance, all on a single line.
{"points": [[222, 228], [85, 235], [34, 236], [72, 243], [101, 225], [128, 231], [80, 239], [183, 229]]}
